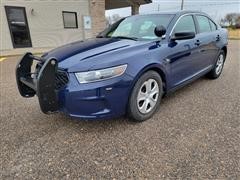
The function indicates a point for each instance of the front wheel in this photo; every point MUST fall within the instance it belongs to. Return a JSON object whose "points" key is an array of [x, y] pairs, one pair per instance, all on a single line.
{"points": [[145, 97], [218, 67]]}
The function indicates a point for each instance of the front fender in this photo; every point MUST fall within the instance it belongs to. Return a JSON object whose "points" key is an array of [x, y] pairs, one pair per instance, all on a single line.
{"points": [[156, 67]]}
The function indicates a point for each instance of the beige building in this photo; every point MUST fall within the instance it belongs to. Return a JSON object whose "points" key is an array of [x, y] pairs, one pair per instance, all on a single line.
{"points": [[40, 25]]}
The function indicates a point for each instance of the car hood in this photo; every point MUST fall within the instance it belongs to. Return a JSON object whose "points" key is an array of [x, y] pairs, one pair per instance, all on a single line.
{"points": [[91, 46], [88, 52]]}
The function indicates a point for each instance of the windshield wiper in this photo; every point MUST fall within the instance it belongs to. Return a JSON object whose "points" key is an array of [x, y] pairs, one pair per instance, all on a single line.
{"points": [[125, 37]]}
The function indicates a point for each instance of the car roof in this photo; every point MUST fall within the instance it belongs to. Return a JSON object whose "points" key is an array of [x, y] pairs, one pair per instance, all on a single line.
{"points": [[178, 13], [188, 12]]}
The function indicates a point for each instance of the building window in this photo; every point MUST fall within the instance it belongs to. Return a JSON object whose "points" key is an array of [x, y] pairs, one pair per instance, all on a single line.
{"points": [[70, 19]]}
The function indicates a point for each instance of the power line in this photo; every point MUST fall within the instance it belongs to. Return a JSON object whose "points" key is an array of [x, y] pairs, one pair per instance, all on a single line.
{"points": [[184, 4], [193, 3], [214, 4]]}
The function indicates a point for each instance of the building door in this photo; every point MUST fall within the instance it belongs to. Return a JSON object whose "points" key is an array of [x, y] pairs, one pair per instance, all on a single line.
{"points": [[18, 26]]}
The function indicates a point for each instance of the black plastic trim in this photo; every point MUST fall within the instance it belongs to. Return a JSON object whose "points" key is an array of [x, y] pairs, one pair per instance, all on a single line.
{"points": [[41, 84]]}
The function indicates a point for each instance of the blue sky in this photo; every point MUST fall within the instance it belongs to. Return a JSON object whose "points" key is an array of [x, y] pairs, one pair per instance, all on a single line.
{"points": [[215, 8]]}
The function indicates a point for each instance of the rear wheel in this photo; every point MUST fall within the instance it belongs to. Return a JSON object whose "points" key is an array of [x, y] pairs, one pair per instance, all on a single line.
{"points": [[217, 70], [145, 97]]}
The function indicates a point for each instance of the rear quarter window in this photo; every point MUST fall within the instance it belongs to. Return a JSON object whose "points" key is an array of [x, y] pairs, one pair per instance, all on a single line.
{"points": [[213, 25]]}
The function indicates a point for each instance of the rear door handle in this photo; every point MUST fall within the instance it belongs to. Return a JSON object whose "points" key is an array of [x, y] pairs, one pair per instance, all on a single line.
{"points": [[198, 43]]}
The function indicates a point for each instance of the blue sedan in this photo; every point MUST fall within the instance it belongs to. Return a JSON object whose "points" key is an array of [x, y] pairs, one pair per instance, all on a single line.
{"points": [[127, 68]]}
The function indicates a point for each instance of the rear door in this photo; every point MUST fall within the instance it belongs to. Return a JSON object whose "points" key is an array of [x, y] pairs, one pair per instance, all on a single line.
{"points": [[216, 38], [207, 38]]}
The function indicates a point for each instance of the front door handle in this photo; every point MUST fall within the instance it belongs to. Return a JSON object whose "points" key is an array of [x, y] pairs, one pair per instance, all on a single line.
{"points": [[198, 43], [218, 38]]}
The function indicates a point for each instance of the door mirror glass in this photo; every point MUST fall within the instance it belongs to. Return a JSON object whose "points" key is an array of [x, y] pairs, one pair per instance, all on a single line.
{"points": [[183, 36], [160, 31]]}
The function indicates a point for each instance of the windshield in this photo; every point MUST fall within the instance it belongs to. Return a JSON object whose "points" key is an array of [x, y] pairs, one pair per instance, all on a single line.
{"points": [[140, 27]]}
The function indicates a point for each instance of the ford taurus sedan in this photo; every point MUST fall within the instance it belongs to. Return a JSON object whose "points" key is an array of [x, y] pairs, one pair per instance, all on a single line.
{"points": [[127, 68]]}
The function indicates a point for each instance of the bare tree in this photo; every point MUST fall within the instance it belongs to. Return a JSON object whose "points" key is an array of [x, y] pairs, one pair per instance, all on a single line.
{"points": [[237, 19], [238, 22], [231, 19], [223, 22]]}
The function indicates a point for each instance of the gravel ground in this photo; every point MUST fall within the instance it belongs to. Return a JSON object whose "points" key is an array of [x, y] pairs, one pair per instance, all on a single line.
{"points": [[195, 134]]}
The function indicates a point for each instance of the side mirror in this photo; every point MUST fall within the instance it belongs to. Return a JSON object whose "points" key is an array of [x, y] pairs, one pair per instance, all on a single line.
{"points": [[160, 31], [183, 36]]}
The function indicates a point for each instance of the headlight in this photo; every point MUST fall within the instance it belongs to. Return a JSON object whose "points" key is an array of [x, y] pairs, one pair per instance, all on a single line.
{"points": [[102, 74]]}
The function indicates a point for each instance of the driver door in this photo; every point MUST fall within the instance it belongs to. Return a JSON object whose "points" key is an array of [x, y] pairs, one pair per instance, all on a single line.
{"points": [[184, 54]]}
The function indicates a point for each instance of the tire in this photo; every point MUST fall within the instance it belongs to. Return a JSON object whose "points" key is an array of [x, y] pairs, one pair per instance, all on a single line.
{"points": [[218, 67], [145, 97]]}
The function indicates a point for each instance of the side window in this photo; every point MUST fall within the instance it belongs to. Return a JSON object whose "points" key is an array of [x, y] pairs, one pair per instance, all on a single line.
{"points": [[213, 25], [204, 25], [185, 24]]}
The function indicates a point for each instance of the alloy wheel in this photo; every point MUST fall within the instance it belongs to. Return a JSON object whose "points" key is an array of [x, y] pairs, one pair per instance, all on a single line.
{"points": [[148, 96], [220, 63]]}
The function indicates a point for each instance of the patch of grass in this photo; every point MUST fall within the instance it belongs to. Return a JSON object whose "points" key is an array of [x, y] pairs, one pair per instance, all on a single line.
{"points": [[234, 33]]}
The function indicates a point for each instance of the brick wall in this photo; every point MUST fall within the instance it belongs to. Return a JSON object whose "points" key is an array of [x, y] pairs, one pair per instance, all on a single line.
{"points": [[97, 11]]}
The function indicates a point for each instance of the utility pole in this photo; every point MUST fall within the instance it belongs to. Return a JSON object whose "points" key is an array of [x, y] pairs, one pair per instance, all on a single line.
{"points": [[182, 4]]}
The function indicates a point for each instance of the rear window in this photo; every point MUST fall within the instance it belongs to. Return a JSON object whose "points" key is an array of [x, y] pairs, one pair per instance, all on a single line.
{"points": [[204, 25]]}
